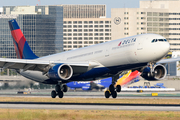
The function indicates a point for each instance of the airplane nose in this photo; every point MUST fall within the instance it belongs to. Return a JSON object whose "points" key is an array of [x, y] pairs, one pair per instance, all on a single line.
{"points": [[165, 48]]}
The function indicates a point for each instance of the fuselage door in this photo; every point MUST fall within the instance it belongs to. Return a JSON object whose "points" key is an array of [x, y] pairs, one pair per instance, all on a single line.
{"points": [[107, 50]]}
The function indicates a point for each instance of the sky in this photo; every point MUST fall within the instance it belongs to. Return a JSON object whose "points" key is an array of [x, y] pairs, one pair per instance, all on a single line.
{"points": [[109, 3]]}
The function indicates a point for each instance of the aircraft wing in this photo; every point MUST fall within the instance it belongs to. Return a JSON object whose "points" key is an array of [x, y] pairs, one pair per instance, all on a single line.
{"points": [[163, 61], [40, 65]]}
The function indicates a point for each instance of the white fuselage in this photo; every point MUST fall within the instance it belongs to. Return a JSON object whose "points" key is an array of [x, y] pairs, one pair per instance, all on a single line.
{"points": [[130, 50]]}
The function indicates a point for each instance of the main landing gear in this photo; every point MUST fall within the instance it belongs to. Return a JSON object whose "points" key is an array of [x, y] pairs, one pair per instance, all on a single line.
{"points": [[112, 90], [59, 89]]}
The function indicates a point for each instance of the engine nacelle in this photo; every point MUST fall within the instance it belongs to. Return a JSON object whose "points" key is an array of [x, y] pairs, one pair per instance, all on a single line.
{"points": [[61, 71], [158, 72]]}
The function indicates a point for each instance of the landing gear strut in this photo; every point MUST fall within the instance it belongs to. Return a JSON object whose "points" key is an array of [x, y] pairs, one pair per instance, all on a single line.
{"points": [[112, 90], [59, 89]]}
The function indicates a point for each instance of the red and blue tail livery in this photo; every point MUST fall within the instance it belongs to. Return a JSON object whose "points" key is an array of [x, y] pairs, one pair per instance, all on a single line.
{"points": [[23, 51]]}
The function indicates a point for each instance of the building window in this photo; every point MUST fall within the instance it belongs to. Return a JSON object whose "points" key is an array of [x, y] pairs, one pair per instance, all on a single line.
{"points": [[90, 30], [74, 26], [79, 22], [106, 38], [126, 28], [126, 18], [96, 26], [85, 34], [69, 30], [79, 30], [143, 13], [101, 22], [96, 22], [90, 38], [90, 34], [100, 30], [90, 42], [95, 34], [69, 26], [74, 38], [74, 42], [74, 22], [75, 30], [96, 38], [101, 26], [69, 22], [79, 34], [101, 34], [85, 38], [85, 22], [79, 26], [126, 13], [69, 34], [79, 38], [85, 26], [96, 30], [106, 34], [126, 33], [90, 26], [85, 30], [90, 22]]}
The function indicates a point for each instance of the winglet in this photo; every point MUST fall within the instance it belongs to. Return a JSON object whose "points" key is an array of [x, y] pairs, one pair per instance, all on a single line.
{"points": [[23, 51]]}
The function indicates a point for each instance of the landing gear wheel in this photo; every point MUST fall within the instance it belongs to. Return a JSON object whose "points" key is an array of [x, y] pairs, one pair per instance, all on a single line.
{"points": [[53, 94], [107, 94], [114, 94], [57, 88], [64, 88], [111, 88], [60, 94], [118, 88]]}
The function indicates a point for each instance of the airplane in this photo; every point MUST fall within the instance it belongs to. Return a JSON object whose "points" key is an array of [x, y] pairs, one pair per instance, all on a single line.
{"points": [[140, 52], [123, 80]]}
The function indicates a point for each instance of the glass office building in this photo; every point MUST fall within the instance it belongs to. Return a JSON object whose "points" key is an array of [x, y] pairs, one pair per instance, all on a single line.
{"points": [[42, 27]]}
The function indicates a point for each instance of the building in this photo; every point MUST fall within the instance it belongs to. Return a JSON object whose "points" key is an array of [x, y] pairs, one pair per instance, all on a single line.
{"points": [[157, 16], [42, 27], [1, 10], [82, 32], [85, 25], [84, 11]]}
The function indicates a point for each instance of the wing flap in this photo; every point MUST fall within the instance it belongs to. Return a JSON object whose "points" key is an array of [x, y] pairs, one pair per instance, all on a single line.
{"points": [[44, 66]]}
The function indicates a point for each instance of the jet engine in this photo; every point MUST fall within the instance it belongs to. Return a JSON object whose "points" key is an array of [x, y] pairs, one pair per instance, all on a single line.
{"points": [[61, 71], [157, 72]]}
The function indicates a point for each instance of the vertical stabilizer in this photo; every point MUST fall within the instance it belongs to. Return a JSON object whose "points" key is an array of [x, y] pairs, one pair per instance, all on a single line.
{"points": [[23, 51]]}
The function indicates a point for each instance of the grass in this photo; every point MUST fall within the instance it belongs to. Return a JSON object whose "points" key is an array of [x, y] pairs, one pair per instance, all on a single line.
{"points": [[42, 114], [89, 100], [48, 114]]}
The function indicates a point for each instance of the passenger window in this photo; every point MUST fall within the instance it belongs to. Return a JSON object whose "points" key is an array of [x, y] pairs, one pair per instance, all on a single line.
{"points": [[165, 40], [156, 40], [153, 40]]}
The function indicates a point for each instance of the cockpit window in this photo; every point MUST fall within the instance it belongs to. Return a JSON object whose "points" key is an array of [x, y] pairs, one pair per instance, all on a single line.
{"points": [[161, 40]]}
